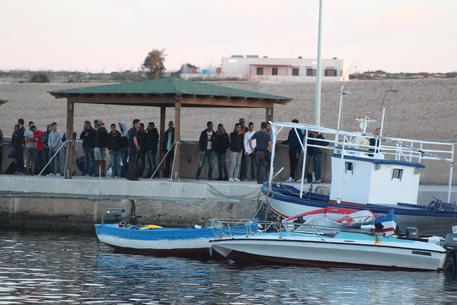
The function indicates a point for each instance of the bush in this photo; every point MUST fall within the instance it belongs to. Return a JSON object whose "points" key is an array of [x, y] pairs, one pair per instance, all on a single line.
{"points": [[39, 78]]}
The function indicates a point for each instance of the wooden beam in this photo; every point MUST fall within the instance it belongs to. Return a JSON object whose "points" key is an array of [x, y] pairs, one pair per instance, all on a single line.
{"points": [[69, 135], [269, 114], [225, 102], [133, 100], [163, 110], [177, 157]]}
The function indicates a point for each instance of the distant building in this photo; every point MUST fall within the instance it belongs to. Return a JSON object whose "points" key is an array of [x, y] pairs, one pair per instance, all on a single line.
{"points": [[253, 67]]}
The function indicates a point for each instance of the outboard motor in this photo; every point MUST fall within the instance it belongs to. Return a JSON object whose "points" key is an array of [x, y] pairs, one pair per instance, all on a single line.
{"points": [[412, 233], [450, 244], [113, 215]]}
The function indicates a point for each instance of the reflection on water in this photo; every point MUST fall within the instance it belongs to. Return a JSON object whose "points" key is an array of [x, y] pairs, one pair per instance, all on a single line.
{"points": [[65, 268]]}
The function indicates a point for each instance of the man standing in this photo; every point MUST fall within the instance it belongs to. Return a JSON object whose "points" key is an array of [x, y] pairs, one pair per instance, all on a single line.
{"points": [[221, 144], [134, 150], [205, 144], [101, 140], [243, 164], [88, 138], [236, 151], [168, 148], [1, 149], [314, 156], [152, 141], [115, 145], [263, 142], [54, 141], [294, 149], [143, 151], [19, 146], [249, 153], [29, 150], [38, 137]]}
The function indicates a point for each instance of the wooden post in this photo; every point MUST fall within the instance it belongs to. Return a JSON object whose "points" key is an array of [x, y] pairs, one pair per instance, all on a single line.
{"points": [[69, 135], [176, 167], [269, 114], [163, 110]]}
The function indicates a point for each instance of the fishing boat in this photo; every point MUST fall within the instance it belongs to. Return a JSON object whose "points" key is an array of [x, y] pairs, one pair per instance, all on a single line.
{"points": [[368, 172], [327, 246], [156, 240]]}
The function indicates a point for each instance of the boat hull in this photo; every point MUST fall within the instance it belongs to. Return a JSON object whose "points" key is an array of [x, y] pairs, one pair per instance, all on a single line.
{"points": [[428, 222], [328, 254]]}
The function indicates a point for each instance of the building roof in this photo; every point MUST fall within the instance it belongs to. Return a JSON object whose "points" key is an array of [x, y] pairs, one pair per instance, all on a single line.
{"points": [[169, 86]]}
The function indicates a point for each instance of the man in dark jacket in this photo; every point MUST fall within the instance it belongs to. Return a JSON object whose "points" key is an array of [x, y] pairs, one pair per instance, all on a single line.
{"points": [[205, 144], [152, 141], [19, 146], [1, 149], [115, 146], [88, 138], [101, 140], [143, 150], [168, 148], [134, 150], [294, 149], [314, 156], [221, 144]]}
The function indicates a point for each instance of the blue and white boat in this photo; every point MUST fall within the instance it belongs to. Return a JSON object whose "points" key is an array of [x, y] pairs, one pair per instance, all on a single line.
{"points": [[156, 240], [312, 245], [379, 177]]}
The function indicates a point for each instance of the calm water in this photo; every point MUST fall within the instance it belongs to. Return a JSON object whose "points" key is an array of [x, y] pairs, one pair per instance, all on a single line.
{"points": [[45, 268]]}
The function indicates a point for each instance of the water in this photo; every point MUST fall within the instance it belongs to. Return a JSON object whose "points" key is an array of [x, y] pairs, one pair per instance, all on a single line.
{"points": [[46, 268]]}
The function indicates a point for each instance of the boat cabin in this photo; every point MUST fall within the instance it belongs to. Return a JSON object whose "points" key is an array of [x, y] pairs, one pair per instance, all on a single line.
{"points": [[366, 179]]}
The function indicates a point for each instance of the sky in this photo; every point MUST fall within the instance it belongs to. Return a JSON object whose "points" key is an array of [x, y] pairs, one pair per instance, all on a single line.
{"points": [[115, 35]]}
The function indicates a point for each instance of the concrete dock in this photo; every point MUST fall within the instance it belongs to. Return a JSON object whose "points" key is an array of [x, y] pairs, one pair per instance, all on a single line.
{"points": [[54, 203]]}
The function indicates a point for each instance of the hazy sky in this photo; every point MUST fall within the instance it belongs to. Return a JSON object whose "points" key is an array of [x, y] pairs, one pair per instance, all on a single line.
{"points": [[113, 35]]}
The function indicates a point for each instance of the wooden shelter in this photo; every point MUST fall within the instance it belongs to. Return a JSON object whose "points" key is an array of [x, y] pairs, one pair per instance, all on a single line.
{"points": [[163, 93]]}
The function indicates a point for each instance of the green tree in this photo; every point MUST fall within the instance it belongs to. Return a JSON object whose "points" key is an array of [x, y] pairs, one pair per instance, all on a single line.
{"points": [[153, 64]]}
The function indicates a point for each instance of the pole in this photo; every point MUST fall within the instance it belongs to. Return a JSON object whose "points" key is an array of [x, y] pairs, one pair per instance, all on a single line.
{"points": [[69, 132], [163, 110], [176, 159], [340, 110], [317, 100]]}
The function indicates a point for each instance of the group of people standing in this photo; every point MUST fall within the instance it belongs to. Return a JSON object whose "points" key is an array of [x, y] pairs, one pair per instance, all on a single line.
{"points": [[32, 149], [132, 151], [247, 148]]}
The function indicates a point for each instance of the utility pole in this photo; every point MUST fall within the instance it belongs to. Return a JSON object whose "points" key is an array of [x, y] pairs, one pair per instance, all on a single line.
{"points": [[317, 100]]}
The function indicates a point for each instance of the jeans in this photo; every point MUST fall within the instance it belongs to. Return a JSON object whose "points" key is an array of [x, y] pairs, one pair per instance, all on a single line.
{"points": [[151, 162], [55, 164], [317, 165], [251, 164], [132, 170], [221, 165], [20, 159], [116, 163], [243, 166], [40, 158], [294, 157], [89, 161], [205, 157], [235, 161], [262, 160], [124, 157]]}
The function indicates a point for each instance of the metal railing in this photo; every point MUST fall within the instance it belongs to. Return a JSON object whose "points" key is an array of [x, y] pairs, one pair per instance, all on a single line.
{"points": [[357, 144]]}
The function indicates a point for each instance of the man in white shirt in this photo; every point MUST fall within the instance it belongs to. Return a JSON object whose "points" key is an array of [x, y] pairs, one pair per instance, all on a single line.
{"points": [[249, 150]]}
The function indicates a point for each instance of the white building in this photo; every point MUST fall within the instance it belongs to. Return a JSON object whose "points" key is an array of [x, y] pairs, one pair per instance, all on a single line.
{"points": [[253, 67]]}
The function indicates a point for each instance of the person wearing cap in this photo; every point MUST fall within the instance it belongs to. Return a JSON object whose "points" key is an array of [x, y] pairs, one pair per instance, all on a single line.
{"points": [[101, 141]]}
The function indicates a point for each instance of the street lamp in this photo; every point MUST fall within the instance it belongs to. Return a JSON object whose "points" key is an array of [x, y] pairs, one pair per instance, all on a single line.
{"points": [[384, 108]]}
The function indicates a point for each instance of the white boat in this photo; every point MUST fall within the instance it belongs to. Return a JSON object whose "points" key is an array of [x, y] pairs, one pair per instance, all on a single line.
{"points": [[379, 177], [308, 245]]}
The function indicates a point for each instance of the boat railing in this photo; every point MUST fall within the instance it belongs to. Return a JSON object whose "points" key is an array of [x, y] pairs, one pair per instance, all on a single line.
{"points": [[231, 228], [357, 144]]}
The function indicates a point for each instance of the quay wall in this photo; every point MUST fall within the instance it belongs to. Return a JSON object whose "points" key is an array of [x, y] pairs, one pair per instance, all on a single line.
{"points": [[59, 204]]}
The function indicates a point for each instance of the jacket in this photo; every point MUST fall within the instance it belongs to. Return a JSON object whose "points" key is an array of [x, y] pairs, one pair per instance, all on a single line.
{"points": [[101, 137], [221, 142], [203, 141], [88, 137], [293, 141], [315, 141], [169, 133], [236, 142], [152, 140], [115, 141]]}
